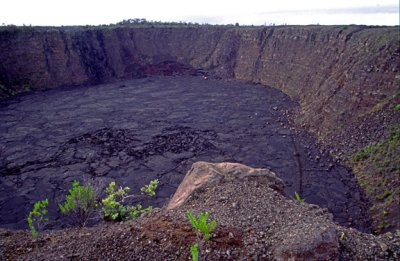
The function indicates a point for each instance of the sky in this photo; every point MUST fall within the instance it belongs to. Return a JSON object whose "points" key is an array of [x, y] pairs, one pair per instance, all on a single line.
{"points": [[245, 12]]}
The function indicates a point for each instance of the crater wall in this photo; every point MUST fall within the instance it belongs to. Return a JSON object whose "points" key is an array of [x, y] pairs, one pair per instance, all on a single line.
{"points": [[341, 75]]}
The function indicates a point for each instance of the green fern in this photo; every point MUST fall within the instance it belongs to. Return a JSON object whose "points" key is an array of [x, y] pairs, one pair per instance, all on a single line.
{"points": [[201, 225], [194, 249]]}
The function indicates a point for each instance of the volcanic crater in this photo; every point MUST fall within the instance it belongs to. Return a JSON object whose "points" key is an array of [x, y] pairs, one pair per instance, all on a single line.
{"points": [[133, 103], [134, 131]]}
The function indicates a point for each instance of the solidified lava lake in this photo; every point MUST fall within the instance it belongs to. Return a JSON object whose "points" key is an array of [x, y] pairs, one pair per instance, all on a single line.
{"points": [[134, 131]]}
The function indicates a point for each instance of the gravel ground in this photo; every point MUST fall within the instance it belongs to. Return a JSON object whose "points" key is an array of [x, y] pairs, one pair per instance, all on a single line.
{"points": [[254, 222]]}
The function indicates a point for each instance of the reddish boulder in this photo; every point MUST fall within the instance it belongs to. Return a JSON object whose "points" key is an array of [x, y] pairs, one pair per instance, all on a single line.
{"points": [[203, 174]]}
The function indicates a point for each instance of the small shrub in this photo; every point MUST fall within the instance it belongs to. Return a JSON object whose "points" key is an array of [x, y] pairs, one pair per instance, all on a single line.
{"points": [[298, 198], [150, 188], [114, 210], [80, 203], [136, 211], [36, 219], [397, 107]]}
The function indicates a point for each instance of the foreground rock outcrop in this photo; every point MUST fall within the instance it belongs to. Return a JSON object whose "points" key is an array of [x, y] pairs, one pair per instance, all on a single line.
{"points": [[203, 174], [255, 222]]}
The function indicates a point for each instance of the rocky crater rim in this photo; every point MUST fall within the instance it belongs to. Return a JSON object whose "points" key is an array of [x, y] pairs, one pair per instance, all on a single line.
{"points": [[254, 221]]}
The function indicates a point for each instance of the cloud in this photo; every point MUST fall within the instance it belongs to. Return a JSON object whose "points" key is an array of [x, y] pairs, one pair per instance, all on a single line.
{"points": [[205, 19], [368, 15], [385, 9]]}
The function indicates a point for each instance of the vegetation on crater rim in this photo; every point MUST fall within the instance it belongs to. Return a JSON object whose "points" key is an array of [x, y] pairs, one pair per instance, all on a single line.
{"points": [[203, 229], [377, 168], [82, 203], [36, 219]]}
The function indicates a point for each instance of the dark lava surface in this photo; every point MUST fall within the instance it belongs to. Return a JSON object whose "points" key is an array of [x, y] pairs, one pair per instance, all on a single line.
{"points": [[138, 130]]}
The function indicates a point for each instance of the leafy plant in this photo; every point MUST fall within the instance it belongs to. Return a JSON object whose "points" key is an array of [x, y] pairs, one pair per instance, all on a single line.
{"points": [[397, 107], [113, 209], [194, 249], [298, 198], [150, 188], [36, 218], [201, 224], [80, 203], [136, 211], [202, 228]]}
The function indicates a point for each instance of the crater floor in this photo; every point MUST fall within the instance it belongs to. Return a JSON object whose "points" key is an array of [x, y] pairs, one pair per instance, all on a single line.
{"points": [[138, 130]]}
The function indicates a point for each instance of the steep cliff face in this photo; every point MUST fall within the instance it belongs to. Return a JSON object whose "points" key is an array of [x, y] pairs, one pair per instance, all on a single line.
{"points": [[338, 74]]}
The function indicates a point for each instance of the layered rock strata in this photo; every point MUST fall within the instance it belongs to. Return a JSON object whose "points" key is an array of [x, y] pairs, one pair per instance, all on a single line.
{"points": [[337, 73]]}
